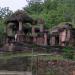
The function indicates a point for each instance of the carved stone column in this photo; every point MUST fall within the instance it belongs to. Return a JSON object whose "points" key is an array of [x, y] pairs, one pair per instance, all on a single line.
{"points": [[20, 26], [33, 30], [41, 28], [45, 38], [68, 35], [63, 37], [52, 41], [33, 33], [19, 36], [9, 29]]}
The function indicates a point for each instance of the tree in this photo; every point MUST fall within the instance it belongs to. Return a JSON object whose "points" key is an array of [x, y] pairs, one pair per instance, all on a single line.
{"points": [[34, 7], [5, 12], [53, 11], [34, 1]]}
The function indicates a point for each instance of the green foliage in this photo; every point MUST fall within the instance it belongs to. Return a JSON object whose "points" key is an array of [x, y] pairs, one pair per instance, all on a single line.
{"points": [[53, 11], [65, 49], [4, 13], [2, 25], [68, 52], [34, 8]]}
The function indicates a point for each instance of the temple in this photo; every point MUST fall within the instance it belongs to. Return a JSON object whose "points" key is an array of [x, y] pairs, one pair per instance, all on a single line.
{"points": [[21, 29], [62, 35]]}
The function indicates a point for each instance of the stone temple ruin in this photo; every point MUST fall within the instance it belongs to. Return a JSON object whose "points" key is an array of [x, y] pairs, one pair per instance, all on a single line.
{"points": [[63, 35], [21, 29]]}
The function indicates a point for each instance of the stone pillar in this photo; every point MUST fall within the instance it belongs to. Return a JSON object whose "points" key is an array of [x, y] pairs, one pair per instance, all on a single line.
{"points": [[33, 30], [41, 28], [52, 41], [60, 39], [9, 29], [45, 38], [34, 39], [33, 33], [19, 36], [20, 26], [63, 37], [68, 35]]}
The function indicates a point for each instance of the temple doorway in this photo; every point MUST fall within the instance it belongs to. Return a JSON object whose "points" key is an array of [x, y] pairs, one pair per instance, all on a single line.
{"points": [[56, 40]]}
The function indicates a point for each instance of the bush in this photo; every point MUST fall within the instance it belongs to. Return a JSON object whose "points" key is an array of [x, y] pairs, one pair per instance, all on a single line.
{"points": [[68, 52]]}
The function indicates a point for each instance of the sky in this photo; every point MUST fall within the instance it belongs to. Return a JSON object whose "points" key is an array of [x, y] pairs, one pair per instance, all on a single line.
{"points": [[13, 4]]}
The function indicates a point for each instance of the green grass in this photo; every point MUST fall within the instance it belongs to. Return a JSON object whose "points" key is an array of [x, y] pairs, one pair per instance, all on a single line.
{"points": [[43, 56], [51, 57], [10, 55]]}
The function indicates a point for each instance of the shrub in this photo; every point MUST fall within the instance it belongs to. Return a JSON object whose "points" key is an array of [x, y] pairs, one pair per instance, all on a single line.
{"points": [[68, 52]]}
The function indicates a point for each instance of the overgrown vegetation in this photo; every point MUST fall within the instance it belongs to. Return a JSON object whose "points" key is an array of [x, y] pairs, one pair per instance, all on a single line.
{"points": [[4, 13], [52, 11], [68, 52]]}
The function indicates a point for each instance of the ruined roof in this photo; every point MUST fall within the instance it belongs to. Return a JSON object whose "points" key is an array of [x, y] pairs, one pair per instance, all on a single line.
{"points": [[20, 16], [65, 25], [61, 26]]}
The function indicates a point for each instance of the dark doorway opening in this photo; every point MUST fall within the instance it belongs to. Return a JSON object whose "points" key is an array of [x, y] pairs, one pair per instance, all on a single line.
{"points": [[57, 40]]}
